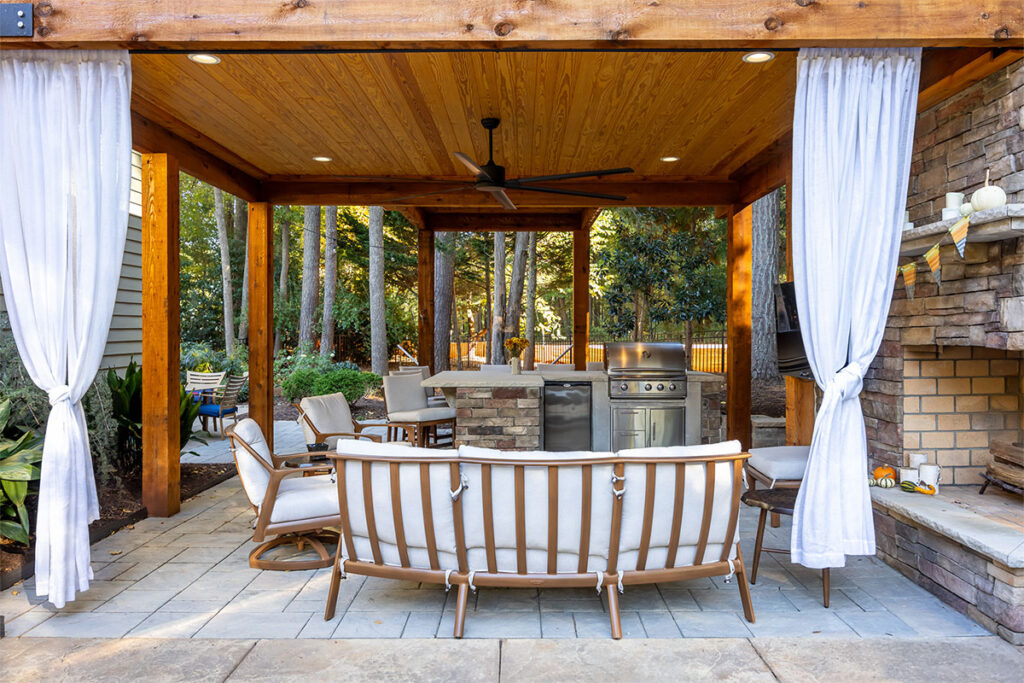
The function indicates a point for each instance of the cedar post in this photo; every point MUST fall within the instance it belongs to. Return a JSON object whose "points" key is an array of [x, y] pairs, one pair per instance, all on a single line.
{"points": [[161, 320], [261, 317], [425, 287], [738, 306], [799, 392], [580, 297]]}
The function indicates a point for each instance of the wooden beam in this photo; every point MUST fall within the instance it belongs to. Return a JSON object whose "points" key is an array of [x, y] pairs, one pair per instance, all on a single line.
{"points": [[739, 324], [766, 172], [261, 317], [708, 192], [425, 290], [513, 221], [269, 24], [966, 76], [799, 392], [411, 213], [580, 297], [148, 137], [161, 318], [587, 218]]}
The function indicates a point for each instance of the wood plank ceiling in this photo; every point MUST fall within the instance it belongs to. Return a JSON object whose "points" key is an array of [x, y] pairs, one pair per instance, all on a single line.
{"points": [[402, 115]]}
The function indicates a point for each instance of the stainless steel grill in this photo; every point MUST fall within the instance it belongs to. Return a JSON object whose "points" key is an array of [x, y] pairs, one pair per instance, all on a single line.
{"points": [[648, 370]]}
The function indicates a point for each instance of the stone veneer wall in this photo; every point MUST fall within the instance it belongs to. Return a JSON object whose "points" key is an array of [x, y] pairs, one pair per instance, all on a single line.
{"points": [[987, 591], [500, 417], [958, 139], [955, 401]]}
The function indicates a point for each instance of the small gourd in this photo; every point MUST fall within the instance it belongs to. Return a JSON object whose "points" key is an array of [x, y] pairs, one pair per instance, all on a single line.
{"points": [[885, 483], [987, 197], [966, 209], [884, 472]]}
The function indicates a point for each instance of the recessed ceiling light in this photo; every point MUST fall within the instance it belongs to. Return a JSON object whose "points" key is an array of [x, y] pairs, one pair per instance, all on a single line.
{"points": [[669, 159], [322, 159], [202, 58], [759, 57]]}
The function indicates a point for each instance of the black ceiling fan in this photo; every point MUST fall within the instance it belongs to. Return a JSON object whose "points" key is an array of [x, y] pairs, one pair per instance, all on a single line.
{"points": [[490, 177]]}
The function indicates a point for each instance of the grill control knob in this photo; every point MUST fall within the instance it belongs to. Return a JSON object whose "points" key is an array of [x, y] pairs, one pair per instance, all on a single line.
{"points": [[661, 387], [647, 387], [671, 387], [624, 386]]}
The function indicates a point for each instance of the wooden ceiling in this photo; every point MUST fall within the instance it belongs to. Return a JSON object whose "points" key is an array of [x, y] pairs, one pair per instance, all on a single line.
{"points": [[389, 116]]}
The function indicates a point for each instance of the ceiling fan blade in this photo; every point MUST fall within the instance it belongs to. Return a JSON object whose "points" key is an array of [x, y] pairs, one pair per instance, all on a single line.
{"points": [[471, 165], [566, 176], [574, 193], [504, 200], [430, 194]]}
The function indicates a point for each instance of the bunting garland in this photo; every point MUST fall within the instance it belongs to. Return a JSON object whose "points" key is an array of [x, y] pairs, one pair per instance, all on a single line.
{"points": [[958, 232]]}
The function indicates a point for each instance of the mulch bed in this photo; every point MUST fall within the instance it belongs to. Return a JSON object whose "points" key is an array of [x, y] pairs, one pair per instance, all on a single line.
{"points": [[119, 507]]}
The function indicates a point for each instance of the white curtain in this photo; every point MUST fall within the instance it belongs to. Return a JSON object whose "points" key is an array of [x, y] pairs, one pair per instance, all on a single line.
{"points": [[65, 172], [853, 130]]}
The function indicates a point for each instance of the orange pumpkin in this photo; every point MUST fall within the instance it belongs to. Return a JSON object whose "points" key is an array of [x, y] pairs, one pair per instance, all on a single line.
{"points": [[884, 473]]}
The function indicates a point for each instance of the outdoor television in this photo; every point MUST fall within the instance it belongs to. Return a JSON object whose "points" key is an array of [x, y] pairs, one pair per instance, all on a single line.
{"points": [[789, 344]]}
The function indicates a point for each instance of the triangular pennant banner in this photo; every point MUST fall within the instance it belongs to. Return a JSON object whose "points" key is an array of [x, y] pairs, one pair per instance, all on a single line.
{"points": [[932, 257], [959, 234], [909, 273]]}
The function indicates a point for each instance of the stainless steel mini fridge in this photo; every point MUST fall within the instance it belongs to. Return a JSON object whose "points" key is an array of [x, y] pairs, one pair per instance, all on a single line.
{"points": [[567, 416]]}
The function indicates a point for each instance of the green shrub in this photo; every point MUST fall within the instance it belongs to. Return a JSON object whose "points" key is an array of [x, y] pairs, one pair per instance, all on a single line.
{"points": [[299, 383], [306, 358], [353, 383]]}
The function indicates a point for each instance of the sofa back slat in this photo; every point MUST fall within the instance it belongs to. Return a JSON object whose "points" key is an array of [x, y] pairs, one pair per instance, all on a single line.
{"points": [[520, 505], [488, 504], [346, 525], [709, 504], [428, 516], [645, 531], [677, 515], [586, 484], [552, 519], [618, 491], [734, 509], [460, 528], [396, 512], [371, 518]]}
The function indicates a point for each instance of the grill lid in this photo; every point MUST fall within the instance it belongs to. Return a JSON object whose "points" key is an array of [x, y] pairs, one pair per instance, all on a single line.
{"points": [[640, 359]]}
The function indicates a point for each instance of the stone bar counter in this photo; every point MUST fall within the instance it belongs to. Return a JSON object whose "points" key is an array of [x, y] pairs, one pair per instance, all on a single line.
{"points": [[506, 411]]}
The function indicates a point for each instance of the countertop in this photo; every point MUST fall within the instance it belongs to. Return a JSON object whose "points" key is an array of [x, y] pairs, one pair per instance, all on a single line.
{"points": [[532, 378]]}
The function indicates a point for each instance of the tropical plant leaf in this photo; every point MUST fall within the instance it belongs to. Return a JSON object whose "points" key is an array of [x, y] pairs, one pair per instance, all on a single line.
{"points": [[5, 414], [13, 531], [18, 471]]}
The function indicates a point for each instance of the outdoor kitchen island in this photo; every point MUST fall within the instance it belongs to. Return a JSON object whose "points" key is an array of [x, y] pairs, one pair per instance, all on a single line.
{"points": [[506, 411]]}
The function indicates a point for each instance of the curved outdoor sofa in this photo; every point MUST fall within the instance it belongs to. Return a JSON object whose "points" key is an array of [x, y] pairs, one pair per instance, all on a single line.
{"points": [[482, 517]]}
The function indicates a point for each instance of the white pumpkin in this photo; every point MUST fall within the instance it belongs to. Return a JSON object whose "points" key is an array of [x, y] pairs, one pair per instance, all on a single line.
{"points": [[988, 197], [966, 209]]}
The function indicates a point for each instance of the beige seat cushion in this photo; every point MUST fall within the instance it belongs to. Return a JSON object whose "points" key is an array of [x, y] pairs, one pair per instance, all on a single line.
{"points": [[330, 413], [300, 498], [253, 475], [422, 415], [423, 371], [780, 462], [402, 392]]}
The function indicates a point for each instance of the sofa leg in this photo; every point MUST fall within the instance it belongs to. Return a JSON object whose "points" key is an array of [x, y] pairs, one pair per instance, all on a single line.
{"points": [[613, 612], [776, 520], [741, 579], [332, 593], [460, 609]]}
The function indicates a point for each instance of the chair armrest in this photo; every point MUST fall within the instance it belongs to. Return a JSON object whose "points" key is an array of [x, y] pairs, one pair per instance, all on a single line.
{"points": [[281, 459], [354, 435]]}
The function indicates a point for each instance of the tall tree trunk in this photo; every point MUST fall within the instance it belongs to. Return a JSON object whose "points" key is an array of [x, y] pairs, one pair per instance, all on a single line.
{"points": [[515, 291], [225, 270], [310, 276], [457, 332], [531, 302], [765, 257], [498, 316], [242, 228], [444, 292], [485, 315], [689, 343], [282, 286], [330, 279], [378, 324]]}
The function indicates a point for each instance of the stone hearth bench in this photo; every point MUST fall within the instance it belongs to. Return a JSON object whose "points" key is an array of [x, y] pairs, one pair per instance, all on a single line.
{"points": [[480, 517]]}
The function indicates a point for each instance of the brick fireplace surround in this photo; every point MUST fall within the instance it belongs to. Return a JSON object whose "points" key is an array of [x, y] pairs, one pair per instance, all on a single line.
{"points": [[948, 377]]}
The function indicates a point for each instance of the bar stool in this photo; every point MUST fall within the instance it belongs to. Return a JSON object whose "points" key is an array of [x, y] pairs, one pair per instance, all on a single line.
{"points": [[779, 501]]}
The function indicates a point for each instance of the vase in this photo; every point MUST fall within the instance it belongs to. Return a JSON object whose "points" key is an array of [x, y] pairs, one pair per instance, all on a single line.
{"points": [[516, 367]]}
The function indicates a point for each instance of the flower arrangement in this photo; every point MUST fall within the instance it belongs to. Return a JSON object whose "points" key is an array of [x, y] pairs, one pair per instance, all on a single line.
{"points": [[515, 346]]}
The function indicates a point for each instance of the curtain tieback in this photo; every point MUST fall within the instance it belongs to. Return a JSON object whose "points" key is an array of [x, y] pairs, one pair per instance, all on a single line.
{"points": [[848, 381], [59, 393]]}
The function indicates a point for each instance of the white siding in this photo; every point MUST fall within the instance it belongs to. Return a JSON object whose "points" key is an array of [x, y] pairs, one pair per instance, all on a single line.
{"points": [[125, 338]]}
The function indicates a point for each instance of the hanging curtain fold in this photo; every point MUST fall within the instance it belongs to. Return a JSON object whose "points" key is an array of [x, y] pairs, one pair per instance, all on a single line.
{"points": [[853, 130], [65, 173]]}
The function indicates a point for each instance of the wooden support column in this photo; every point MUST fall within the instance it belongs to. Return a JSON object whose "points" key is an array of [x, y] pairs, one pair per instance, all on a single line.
{"points": [[799, 392], [261, 317], [739, 323], [161, 320], [425, 287], [580, 297]]}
